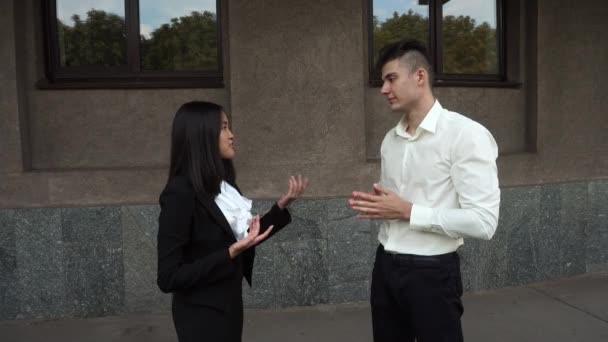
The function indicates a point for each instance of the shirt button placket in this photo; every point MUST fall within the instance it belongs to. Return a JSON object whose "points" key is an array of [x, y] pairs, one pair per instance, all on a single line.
{"points": [[404, 175]]}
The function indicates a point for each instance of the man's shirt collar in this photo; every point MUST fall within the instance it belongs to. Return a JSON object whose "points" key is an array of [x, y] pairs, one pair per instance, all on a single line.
{"points": [[429, 123]]}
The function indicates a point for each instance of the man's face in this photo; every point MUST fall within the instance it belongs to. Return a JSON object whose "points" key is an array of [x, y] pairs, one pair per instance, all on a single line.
{"points": [[400, 86]]}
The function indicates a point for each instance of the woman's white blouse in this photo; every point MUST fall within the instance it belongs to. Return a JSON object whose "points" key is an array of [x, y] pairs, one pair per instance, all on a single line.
{"points": [[236, 209]]}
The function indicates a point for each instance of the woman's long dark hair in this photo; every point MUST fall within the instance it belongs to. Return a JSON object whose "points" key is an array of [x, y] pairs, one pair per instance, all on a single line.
{"points": [[195, 151]]}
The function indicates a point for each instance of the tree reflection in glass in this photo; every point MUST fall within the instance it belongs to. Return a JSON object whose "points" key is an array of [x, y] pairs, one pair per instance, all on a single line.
{"points": [[470, 44], [91, 34], [178, 35]]}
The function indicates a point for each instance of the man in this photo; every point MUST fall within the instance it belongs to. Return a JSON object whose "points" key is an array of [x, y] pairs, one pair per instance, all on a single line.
{"points": [[438, 184]]}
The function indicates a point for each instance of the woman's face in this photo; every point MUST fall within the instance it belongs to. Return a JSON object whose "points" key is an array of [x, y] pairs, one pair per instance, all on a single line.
{"points": [[226, 139]]}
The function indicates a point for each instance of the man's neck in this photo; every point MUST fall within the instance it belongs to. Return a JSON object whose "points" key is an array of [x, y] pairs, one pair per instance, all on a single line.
{"points": [[414, 117]]}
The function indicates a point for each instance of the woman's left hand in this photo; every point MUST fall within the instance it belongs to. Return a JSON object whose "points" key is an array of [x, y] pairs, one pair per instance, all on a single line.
{"points": [[297, 185]]}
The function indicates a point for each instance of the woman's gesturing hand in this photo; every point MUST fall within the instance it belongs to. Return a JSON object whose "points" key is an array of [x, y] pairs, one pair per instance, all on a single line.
{"points": [[252, 239], [297, 185]]}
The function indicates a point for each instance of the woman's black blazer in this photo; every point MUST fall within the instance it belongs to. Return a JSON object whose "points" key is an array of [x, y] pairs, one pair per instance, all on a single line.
{"points": [[193, 240]]}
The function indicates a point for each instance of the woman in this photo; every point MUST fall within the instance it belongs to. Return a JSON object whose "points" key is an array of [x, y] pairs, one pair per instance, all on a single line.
{"points": [[206, 234]]}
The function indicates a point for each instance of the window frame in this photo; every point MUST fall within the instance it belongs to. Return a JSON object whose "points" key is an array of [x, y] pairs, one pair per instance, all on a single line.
{"points": [[501, 80], [119, 77]]}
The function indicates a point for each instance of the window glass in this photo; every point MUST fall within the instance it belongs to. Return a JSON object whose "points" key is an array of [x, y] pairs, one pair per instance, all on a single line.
{"points": [[178, 35], [470, 44], [394, 20], [91, 33]]}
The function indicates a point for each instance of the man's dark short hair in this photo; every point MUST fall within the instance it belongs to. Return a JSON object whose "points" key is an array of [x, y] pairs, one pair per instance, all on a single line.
{"points": [[417, 56]]}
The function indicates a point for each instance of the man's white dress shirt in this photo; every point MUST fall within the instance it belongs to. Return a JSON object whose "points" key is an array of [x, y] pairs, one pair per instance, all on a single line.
{"points": [[447, 169]]}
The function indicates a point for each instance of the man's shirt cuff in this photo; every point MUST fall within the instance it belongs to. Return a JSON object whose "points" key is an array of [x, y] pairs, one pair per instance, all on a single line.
{"points": [[421, 218]]}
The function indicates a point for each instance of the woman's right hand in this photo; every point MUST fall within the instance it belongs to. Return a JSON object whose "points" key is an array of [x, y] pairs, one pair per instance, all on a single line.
{"points": [[252, 239]]}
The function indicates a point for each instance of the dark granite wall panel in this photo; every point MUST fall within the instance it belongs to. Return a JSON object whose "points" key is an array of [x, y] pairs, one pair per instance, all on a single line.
{"points": [[40, 256], [93, 261], [546, 234], [9, 300], [520, 220], [597, 229], [301, 270], [83, 262], [265, 279], [140, 226], [574, 213]]}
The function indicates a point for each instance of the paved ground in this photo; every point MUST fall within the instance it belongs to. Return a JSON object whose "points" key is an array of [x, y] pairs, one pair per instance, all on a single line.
{"points": [[573, 309]]}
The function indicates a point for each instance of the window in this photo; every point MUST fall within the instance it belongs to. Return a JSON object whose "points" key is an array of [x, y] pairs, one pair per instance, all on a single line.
{"points": [[465, 38], [132, 43]]}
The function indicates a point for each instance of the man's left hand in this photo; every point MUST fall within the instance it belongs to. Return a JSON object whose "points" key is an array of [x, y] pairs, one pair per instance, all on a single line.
{"points": [[382, 204]]}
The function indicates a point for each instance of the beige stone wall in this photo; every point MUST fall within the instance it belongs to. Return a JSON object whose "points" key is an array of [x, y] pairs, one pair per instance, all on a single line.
{"points": [[78, 147], [10, 133], [105, 129], [501, 110], [572, 92], [297, 94], [572, 98], [94, 129], [296, 89]]}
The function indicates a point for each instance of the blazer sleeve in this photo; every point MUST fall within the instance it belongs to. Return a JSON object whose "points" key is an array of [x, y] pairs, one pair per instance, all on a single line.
{"points": [[177, 204], [276, 217]]}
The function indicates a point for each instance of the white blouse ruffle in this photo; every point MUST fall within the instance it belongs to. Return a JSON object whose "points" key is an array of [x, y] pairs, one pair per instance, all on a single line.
{"points": [[236, 209]]}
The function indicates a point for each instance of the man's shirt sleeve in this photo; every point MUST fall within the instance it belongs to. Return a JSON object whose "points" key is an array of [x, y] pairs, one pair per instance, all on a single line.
{"points": [[475, 179]]}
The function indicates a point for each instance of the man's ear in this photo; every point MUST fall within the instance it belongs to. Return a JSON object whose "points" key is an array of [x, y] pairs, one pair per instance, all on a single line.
{"points": [[421, 75]]}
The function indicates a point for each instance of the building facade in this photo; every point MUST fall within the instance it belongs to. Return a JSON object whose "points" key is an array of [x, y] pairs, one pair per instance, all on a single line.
{"points": [[81, 166]]}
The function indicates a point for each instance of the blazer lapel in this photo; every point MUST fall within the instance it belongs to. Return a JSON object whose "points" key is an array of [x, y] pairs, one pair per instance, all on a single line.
{"points": [[218, 216]]}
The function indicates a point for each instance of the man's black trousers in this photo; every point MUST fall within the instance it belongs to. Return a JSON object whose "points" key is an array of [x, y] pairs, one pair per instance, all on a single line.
{"points": [[416, 298]]}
